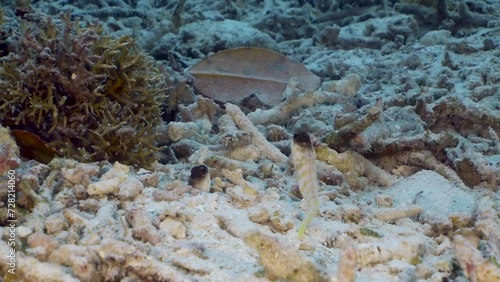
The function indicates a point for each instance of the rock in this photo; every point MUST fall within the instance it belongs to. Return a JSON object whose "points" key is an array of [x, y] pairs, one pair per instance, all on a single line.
{"points": [[173, 227], [348, 86], [435, 37], [9, 152], [384, 201], [24, 232], [104, 186], [130, 188], [55, 223], [208, 36], [280, 221], [258, 214], [80, 174], [118, 170], [44, 241], [281, 260]]}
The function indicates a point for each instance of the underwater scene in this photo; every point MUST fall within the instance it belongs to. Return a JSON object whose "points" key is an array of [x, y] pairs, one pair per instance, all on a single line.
{"points": [[250, 140]]}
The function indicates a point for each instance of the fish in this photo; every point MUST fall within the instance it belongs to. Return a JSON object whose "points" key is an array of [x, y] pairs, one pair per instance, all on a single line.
{"points": [[303, 159], [200, 178]]}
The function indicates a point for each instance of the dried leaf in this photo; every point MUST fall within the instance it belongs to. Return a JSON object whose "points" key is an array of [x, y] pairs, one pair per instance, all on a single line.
{"points": [[33, 147], [235, 74]]}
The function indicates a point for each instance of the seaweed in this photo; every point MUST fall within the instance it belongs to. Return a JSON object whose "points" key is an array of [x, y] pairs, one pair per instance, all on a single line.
{"points": [[90, 96]]}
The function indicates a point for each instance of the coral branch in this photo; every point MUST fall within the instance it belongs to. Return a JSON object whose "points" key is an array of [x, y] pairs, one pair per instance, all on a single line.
{"points": [[281, 261], [267, 149], [341, 137], [295, 99]]}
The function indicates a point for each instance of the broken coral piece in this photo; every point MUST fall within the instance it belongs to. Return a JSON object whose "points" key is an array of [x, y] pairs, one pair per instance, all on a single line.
{"points": [[476, 268], [110, 181], [142, 226], [266, 149], [282, 261], [392, 214], [347, 263], [295, 99], [348, 86], [353, 166], [9, 152]]}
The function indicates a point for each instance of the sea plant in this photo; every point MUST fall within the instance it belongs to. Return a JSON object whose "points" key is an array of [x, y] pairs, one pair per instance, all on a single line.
{"points": [[88, 95]]}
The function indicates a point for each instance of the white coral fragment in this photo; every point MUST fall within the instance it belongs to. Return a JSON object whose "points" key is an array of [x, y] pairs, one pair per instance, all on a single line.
{"points": [[118, 170], [476, 268], [347, 263], [282, 261], [142, 226], [266, 149], [295, 99], [392, 214], [130, 188], [104, 187], [79, 174], [348, 86], [110, 181], [174, 228]]}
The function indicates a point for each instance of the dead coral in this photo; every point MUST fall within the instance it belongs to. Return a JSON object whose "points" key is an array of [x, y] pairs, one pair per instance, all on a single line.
{"points": [[476, 268], [339, 138], [9, 152], [356, 169], [265, 148], [472, 125], [143, 228], [451, 15], [294, 100], [281, 261]]}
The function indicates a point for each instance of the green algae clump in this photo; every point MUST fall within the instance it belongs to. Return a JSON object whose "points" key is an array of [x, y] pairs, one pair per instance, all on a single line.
{"points": [[90, 96]]}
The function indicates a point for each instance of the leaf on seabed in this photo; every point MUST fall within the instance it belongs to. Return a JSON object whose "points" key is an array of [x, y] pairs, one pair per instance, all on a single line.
{"points": [[33, 147], [235, 74]]}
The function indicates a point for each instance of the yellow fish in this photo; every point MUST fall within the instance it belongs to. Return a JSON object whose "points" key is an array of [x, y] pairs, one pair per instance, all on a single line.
{"points": [[303, 157]]}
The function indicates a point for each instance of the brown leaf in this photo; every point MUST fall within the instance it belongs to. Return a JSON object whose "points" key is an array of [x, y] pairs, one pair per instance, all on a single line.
{"points": [[33, 147], [235, 74]]}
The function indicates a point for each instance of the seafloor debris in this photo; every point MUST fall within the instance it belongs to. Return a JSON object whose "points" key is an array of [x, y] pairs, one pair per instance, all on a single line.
{"points": [[281, 261], [9, 152]]}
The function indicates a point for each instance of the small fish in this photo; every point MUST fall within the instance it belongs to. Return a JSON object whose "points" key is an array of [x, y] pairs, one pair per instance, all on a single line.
{"points": [[303, 158], [200, 178]]}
